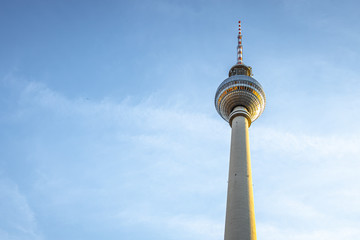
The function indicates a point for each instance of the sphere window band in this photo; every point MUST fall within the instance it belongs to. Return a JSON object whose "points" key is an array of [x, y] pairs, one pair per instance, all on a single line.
{"points": [[223, 86], [228, 90]]}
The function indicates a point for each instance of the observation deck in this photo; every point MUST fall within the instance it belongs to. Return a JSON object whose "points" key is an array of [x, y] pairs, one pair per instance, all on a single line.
{"points": [[240, 89]]}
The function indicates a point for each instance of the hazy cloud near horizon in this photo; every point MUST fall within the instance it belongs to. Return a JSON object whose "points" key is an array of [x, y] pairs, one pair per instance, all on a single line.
{"points": [[90, 172]]}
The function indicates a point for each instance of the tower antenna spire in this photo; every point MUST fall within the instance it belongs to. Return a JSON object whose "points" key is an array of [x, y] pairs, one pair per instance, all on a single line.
{"points": [[239, 47]]}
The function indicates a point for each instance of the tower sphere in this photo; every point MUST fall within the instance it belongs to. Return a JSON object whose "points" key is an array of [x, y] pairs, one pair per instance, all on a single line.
{"points": [[240, 90]]}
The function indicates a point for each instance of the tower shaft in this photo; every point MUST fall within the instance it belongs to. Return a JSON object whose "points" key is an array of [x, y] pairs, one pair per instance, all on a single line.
{"points": [[240, 213]]}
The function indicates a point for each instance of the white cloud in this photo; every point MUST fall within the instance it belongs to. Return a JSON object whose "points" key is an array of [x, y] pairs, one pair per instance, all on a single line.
{"points": [[18, 221], [124, 156], [121, 156], [311, 189], [270, 232], [277, 140], [180, 226]]}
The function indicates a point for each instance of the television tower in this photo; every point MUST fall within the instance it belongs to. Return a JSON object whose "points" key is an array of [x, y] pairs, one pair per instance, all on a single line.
{"points": [[240, 100]]}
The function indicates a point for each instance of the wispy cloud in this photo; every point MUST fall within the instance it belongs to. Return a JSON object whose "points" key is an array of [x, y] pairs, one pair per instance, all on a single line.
{"points": [[180, 226], [334, 145], [17, 221], [156, 164], [271, 232]]}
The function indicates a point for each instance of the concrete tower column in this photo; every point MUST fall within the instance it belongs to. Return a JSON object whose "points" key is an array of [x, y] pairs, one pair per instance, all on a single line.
{"points": [[240, 213]]}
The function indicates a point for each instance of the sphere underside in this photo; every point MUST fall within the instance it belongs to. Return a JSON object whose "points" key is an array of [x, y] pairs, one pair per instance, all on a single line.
{"points": [[240, 90]]}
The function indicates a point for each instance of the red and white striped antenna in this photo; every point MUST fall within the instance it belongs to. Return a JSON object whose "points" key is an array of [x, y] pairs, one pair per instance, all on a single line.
{"points": [[239, 47]]}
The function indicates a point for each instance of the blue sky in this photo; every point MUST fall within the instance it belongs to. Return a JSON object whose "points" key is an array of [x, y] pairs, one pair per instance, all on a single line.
{"points": [[108, 128]]}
